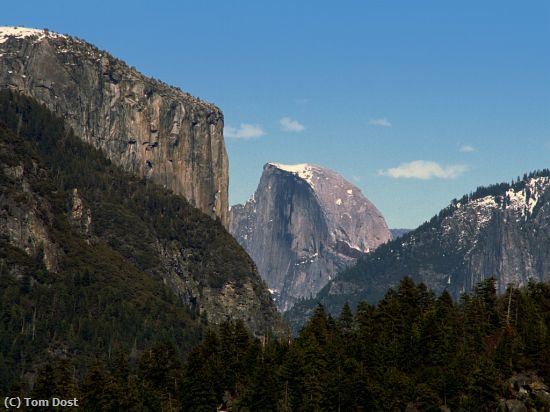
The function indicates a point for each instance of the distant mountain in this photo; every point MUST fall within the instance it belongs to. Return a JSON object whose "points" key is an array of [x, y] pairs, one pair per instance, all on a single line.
{"points": [[94, 260], [395, 233], [148, 128], [501, 231], [303, 224]]}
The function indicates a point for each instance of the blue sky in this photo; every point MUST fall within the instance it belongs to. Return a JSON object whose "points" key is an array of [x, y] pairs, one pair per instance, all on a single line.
{"points": [[416, 102]]}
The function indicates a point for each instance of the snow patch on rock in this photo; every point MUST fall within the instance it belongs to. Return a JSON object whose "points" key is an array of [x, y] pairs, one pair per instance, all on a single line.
{"points": [[22, 32], [526, 199], [302, 170], [477, 214]]}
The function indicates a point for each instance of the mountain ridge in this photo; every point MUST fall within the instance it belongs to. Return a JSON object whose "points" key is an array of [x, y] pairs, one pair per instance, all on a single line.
{"points": [[498, 231]]}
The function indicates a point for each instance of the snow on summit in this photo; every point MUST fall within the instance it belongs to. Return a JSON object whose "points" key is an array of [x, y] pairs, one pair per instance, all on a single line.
{"points": [[23, 32], [302, 170]]}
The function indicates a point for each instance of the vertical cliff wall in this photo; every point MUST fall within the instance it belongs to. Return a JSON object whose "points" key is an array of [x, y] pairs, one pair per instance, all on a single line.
{"points": [[143, 125]]}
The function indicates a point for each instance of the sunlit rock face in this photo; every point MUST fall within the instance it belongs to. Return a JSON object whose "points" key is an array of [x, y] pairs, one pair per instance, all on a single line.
{"points": [[303, 224], [147, 127]]}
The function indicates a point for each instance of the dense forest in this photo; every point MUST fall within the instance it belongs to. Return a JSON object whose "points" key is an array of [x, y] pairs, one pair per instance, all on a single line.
{"points": [[413, 351]]}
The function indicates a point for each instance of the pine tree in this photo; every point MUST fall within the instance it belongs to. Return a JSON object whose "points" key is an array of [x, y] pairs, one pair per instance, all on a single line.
{"points": [[161, 374], [345, 321], [483, 386], [45, 385], [291, 375], [202, 386], [314, 376], [99, 390]]}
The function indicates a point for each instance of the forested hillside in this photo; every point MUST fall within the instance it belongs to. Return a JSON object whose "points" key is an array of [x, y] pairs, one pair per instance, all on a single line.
{"points": [[94, 261]]}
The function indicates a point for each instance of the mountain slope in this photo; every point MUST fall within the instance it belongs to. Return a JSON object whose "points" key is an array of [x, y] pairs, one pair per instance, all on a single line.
{"points": [[395, 233], [303, 224], [502, 231], [93, 259], [143, 125]]}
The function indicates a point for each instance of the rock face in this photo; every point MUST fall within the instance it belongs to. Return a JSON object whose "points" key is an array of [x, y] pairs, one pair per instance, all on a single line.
{"points": [[503, 236], [26, 217], [143, 125], [501, 231], [523, 389], [303, 224]]}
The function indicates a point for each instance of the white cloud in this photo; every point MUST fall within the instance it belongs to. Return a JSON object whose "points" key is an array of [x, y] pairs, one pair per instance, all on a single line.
{"points": [[380, 122], [422, 169], [244, 131], [291, 125], [466, 148]]}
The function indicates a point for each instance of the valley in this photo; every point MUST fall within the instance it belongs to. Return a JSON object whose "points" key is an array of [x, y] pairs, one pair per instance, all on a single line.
{"points": [[134, 277]]}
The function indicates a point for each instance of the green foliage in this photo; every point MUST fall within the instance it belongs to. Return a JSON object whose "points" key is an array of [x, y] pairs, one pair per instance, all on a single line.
{"points": [[109, 294], [410, 350]]}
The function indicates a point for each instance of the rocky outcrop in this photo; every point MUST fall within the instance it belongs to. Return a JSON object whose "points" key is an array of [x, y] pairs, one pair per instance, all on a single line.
{"points": [[143, 125], [504, 236], [247, 298], [303, 224], [25, 216], [81, 215], [526, 392]]}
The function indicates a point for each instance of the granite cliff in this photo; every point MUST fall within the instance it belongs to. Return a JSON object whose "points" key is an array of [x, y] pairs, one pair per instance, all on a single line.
{"points": [[143, 125], [304, 224]]}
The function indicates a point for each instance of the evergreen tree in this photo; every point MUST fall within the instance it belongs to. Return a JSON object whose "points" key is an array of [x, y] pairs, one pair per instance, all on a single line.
{"points": [[202, 386], [161, 374], [345, 321], [100, 391], [483, 387]]}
